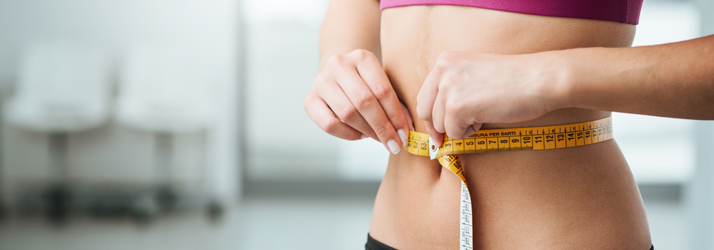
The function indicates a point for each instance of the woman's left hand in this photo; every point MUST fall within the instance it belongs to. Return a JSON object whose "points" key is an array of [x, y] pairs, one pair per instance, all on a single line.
{"points": [[466, 89]]}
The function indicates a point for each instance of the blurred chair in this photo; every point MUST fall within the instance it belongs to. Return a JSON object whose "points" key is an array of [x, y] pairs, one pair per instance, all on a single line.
{"points": [[164, 90], [61, 89]]}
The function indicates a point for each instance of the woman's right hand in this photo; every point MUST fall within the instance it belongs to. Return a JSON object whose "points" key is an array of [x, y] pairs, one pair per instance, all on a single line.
{"points": [[351, 98]]}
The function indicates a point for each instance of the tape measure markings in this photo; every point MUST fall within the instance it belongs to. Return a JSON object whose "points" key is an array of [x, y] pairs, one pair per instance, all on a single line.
{"points": [[530, 138]]}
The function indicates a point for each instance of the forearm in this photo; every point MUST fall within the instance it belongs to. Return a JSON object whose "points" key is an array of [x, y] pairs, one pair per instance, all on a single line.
{"points": [[350, 25], [671, 80]]}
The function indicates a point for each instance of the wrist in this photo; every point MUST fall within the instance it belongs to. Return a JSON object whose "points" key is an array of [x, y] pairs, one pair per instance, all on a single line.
{"points": [[557, 87], [571, 76]]}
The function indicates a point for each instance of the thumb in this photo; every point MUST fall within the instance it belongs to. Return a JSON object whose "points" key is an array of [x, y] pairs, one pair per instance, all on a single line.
{"points": [[436, 136], [409, 116], [472, 130]]}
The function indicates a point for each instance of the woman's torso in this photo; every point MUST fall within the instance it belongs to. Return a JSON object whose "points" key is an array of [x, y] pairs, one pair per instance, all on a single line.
{"points": [[582, 197]]}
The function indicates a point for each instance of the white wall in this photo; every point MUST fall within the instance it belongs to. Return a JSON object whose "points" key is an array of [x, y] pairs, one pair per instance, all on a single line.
{"points": [[281, 60], [114, 153]]}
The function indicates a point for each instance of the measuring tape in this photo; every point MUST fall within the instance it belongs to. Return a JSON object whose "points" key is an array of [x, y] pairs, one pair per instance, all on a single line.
{"points": [[507, 139]]}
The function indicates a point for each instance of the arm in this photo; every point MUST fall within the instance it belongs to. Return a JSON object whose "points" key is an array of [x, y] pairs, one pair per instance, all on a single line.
{"points": [[671, 80], [350, 25], [466, 89], [351, 97]]}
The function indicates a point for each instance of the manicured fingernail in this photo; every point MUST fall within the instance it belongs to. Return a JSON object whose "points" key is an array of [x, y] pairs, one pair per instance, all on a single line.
{"points": [[403, 136], [392, 144], [364, 136]]}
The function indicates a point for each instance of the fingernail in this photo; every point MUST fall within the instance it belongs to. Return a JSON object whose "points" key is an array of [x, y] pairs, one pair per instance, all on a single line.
{"points": [[364, 136], [392, 144], [403, 136]]}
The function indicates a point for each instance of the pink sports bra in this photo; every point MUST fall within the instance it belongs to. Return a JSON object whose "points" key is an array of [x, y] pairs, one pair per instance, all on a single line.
{"points": [[621, 11]]}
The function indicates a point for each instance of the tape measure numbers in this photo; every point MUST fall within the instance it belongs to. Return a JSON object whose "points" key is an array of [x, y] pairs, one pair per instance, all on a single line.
{"points": [[507, 139]]}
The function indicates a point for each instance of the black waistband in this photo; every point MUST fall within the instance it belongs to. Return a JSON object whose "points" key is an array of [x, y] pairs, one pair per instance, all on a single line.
{"points": [[373, 244]]}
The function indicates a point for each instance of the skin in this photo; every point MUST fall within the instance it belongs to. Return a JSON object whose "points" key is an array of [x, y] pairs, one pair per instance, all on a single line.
{"points": [[459, 69]]}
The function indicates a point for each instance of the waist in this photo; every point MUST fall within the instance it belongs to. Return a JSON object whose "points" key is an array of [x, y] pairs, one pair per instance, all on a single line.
{"points": [[549, 199], [416, 167]]}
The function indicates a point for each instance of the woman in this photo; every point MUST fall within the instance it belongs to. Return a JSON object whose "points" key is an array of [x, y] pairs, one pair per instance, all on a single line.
{"points": [[455, 69]]}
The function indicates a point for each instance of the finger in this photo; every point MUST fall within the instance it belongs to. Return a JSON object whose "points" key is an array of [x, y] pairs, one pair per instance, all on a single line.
{"points": [[369, 108], [457, 127], [438, 113], [409, 117], [341, 106], [436, 136], [454, 123], [472, 130], [371, 72], [427, 95], [321, 114]]}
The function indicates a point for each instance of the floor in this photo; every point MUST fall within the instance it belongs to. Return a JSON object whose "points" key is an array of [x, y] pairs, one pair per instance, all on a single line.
{"points": [[258, 223]]}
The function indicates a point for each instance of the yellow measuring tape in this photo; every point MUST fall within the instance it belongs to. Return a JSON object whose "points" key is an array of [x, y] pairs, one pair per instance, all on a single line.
{"points": [[507, 139]]}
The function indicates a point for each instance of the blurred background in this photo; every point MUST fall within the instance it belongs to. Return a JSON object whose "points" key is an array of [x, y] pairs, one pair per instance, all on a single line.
{"points": [[160, 124]]}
